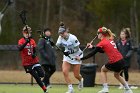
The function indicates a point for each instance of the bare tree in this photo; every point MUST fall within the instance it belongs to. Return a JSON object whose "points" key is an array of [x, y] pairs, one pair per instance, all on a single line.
{"points": [[134, 23], [41, 12], [61, 10], [47, 13]]}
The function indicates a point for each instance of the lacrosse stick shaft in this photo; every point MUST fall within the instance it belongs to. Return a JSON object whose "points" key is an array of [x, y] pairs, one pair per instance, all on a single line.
{"points": [[89, 45], [62, 51], [24, 21]]}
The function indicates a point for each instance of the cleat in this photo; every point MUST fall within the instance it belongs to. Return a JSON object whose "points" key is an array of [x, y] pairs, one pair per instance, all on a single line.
{"points": [[134, 87], [70, 91], [104, 90], [128, 91], [80, 85], [46, 91], [49, 86], [121, 87]]}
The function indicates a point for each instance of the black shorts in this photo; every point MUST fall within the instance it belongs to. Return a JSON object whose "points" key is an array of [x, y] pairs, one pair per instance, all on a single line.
{"points": [[117, 66], [28, 68]]}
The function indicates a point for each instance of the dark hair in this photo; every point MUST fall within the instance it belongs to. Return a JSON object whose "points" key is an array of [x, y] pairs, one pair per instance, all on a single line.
{"points": [[47, 29], [62, 28], [62, 25], [127, 32]]}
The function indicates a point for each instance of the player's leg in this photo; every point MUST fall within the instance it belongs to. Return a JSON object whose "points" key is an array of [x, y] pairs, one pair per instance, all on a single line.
{"points": [[104, 71], [65, 68], [123, 82], [49, 70], [76, 71], [126, 73], [39, 71], [52, 70], [121, 86], [47, 74], [38, 80]]}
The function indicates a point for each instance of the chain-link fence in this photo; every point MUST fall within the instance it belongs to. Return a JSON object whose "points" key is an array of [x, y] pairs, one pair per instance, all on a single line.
{"points": [[12, 72]]}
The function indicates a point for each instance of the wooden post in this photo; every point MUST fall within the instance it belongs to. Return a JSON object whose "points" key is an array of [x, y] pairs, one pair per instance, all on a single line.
{"points": [[32, 80]]}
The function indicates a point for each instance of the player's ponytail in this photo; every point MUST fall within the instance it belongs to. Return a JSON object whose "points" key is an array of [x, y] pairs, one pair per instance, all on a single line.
{"points": [[110, 33], [106, 32], [62, 28]]}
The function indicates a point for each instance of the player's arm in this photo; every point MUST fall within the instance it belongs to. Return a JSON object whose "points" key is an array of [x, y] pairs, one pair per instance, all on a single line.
{"points": [[72, 51], [100, 50], [34, 53], [21, 46], [92, 53], [59, 45], [41, 49]]}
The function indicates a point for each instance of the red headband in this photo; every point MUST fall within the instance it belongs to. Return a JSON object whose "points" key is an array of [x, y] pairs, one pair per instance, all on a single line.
{"points": [[100, 30]]}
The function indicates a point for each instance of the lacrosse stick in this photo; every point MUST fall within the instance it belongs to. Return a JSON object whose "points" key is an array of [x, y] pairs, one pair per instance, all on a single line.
{"points": [[88, 45], [24, 21], [63, 52]]}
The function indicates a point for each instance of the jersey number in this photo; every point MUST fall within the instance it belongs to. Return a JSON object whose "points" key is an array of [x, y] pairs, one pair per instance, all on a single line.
{"points": [[29, 52], [112, 43]]}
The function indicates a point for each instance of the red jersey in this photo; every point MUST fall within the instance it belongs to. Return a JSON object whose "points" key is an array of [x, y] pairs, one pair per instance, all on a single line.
{"points": [[110, 49], [26, 53]]}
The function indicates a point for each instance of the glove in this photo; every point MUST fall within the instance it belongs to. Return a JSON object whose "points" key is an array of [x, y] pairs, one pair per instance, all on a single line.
{"points": [[33, 55], [66, 53], [27, 40], [71, 51]]}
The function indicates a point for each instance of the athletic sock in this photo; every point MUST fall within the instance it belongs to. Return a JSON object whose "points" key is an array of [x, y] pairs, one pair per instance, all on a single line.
{"points": [[70, 86], [105, 85], [126, 86], [44, 88]]}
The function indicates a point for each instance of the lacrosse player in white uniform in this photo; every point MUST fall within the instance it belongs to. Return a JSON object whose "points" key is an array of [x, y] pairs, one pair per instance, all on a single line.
{"points": [[71, 45]]}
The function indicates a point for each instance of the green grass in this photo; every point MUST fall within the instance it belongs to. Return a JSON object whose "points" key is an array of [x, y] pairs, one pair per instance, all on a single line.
{"points": [[54, 89]]}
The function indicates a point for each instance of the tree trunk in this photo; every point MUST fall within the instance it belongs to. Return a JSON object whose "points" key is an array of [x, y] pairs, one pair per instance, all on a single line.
{"points": [[13, 18], [41, 12], [136, 23], [47, 13], [132, 23], [61, 10]]}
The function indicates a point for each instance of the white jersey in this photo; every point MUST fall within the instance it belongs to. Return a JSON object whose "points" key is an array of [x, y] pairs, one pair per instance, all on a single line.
{"points": [[69, 44]]}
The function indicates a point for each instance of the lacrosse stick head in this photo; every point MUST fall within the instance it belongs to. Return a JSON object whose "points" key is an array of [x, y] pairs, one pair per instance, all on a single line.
{"points": [[10, 2], [23, 16]]}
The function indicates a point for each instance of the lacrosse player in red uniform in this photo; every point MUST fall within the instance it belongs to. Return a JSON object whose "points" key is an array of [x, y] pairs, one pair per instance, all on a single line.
{"points": [[116, 62], [26, 46]]}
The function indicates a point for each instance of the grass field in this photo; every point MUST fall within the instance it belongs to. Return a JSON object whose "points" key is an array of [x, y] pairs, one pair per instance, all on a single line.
{"points": [[21, 76], [57, 78], [54, 89]]}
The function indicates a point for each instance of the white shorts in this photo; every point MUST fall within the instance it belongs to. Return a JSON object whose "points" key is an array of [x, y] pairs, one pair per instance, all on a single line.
{"points": [[74, 61]]}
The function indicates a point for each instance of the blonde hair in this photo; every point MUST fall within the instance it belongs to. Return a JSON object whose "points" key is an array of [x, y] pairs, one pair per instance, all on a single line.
{"points": [[106, 32], [26, 27]]}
